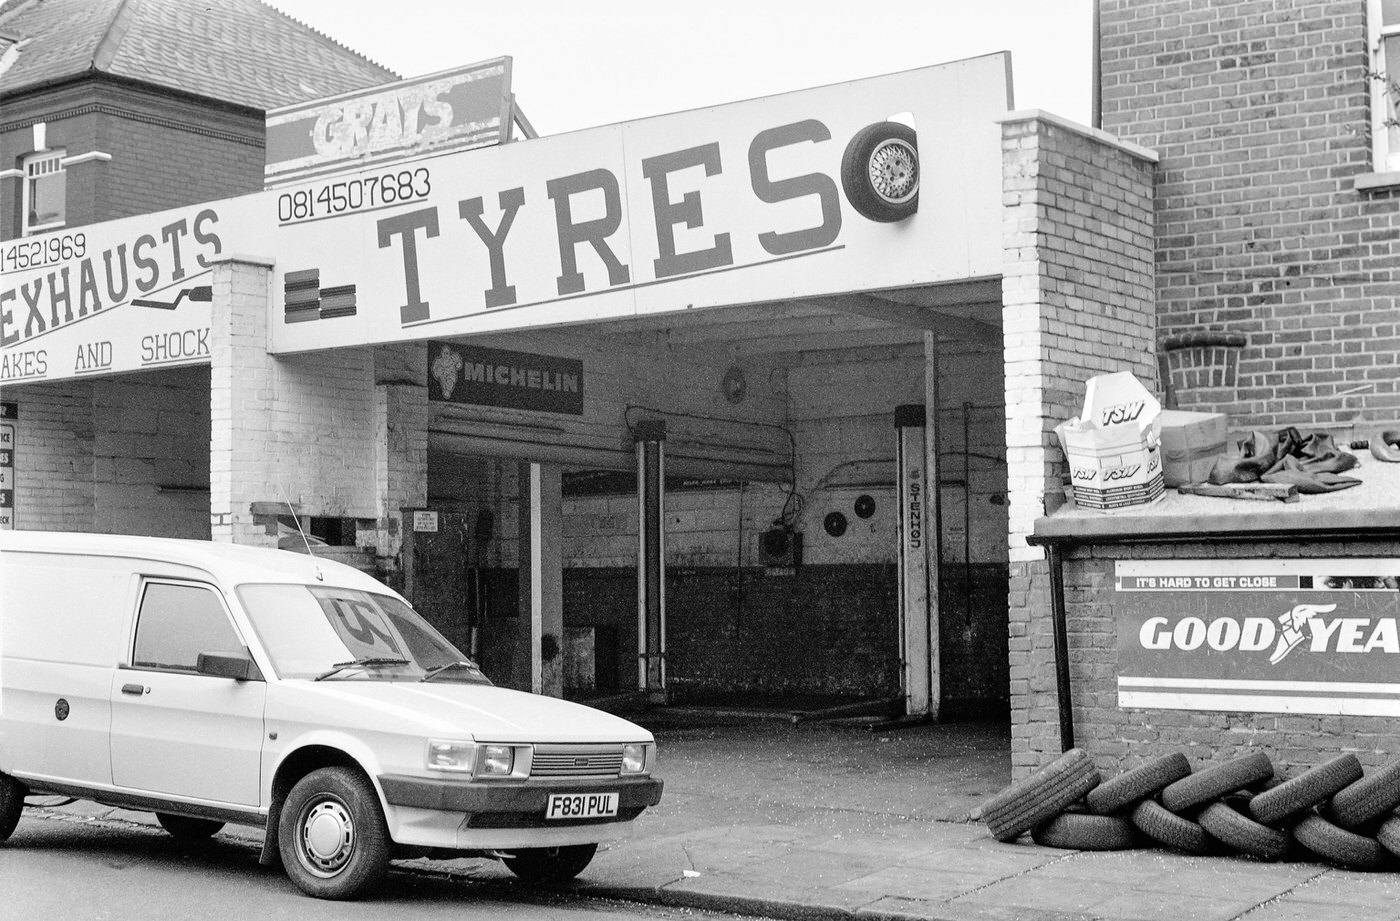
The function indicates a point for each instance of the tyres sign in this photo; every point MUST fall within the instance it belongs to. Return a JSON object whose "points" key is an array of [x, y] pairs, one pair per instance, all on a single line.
{"points": [[9, 413], [1272, 636], [879, 183]]}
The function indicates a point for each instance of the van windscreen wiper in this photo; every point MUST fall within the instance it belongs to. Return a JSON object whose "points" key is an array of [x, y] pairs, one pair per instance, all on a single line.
{"points": [[462, 663], [363, 661]]}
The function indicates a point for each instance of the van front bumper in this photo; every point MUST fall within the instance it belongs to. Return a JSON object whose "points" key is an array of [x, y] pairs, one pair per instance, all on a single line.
{"points": [[506, 804]]}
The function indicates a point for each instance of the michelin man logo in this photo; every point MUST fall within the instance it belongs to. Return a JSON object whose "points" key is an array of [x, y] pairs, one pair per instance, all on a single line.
{"points": [[446, 367], [1293, 633]]}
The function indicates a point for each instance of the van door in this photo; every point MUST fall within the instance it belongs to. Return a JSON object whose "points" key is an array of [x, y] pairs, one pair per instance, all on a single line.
{"points": [[176, 732]]}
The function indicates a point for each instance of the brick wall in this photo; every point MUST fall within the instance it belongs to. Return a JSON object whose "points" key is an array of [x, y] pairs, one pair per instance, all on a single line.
{"points": [[165, 152], [1121, 738], [1077, 301], [1260, 111]]}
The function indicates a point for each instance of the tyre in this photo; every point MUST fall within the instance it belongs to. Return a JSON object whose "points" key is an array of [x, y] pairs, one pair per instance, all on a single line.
{"points": [[1167, 828], [880, 172], [12, 794], [1368, 798], [1339, 846], [1078, 832], [1242, 833], [1139, 783], [1388, 835], [1216, 781], [1301, 793], [1032, 800], [187, 829], [331, 835], [550, 865]]}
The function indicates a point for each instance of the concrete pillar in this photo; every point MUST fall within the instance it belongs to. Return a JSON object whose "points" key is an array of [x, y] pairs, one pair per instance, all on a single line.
{"points": [[401, 415], [651, 560], [542, 573]]}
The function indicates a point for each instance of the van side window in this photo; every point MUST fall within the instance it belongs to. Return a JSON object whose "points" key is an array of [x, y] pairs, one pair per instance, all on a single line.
{"points": [[179, 621]]}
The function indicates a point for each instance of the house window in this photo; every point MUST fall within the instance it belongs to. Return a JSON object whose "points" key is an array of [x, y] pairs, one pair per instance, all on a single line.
{"points": [[1384, 22], [44, 192]]}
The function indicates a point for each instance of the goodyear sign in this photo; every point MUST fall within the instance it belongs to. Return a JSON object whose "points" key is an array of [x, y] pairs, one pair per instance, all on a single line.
{"points": [[1270, 636]]}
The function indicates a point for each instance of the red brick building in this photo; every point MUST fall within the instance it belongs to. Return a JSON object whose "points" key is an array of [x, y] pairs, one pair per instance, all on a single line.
{"points": [[1270, 275], [142, 105]]}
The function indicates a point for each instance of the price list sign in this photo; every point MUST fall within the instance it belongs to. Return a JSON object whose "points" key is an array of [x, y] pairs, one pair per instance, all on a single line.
{"points": [[9, 413]]}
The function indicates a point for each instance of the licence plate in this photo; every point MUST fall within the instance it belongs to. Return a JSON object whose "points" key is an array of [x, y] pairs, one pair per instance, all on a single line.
{"points": [[581, 805]]}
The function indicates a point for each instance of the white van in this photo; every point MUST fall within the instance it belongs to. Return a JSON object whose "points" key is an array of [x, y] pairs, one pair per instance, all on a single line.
{"points": [[213, 683]]}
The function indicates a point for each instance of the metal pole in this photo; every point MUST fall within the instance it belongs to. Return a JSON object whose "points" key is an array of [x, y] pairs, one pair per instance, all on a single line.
{"points": [[1061, 634]]}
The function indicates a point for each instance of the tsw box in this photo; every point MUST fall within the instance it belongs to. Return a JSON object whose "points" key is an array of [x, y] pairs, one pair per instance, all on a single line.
{"points": [[1190, 444], [1114, 458]]}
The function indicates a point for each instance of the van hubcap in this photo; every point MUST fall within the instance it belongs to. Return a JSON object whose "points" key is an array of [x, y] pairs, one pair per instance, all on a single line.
{"points": [[328, 836]]}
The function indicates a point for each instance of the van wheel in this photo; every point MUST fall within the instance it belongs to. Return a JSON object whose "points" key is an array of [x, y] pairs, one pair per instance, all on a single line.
{"points": [[187, 829], [550, 864], [11, 804], [332, 836]]}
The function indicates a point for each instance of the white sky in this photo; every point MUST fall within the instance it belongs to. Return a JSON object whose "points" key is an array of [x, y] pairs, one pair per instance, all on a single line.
{"points": [[582, 63]]}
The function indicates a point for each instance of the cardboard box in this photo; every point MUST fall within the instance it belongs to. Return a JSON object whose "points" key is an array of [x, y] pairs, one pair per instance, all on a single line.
{"points": [[1112, 446], [1190, 444]]}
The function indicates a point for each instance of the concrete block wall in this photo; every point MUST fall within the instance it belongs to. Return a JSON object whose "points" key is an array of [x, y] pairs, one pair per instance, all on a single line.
{"points": [[1261, 112], [54, 456], [1077, 301], [128, 456], [151, 454], [1120, 738]]}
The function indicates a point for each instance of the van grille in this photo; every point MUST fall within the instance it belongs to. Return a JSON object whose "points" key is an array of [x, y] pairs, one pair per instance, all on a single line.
{"points": [[577, 761]]}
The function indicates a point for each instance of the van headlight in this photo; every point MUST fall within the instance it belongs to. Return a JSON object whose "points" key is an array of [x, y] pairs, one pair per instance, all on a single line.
{"points": [[479, 759], [448, 755], [496, 761], [637, 757]]}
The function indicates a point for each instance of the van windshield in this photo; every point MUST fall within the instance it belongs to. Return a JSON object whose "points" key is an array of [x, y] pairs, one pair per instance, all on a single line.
{"points": [[351, 635]]}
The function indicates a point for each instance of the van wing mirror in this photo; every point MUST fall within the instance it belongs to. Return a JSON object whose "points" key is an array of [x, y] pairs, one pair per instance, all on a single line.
{"points": [[238, 666]]}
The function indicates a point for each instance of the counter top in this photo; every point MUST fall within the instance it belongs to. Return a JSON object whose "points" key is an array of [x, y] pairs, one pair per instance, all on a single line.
{"points": [[1370, 509]]}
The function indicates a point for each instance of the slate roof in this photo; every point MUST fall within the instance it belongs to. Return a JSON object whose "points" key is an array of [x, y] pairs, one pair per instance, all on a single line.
{"points": [[239, 51]]}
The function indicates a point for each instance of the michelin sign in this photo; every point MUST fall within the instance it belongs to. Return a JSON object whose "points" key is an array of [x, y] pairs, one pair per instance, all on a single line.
{"points": [[888, 182]]}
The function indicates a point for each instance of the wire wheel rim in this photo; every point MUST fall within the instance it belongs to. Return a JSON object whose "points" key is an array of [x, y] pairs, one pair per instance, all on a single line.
{"points": [[327, 837], [894, 171]]}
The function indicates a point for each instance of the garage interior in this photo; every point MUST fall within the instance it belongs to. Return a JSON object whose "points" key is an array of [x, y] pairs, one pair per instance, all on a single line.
{"points": [[780, 513]]}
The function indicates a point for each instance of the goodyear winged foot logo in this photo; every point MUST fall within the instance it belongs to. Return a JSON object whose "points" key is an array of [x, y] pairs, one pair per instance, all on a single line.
{"points": [[1291, 628]]}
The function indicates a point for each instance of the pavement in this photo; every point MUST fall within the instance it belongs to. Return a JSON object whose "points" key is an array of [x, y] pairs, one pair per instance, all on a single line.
{"points": [[839, 819]]}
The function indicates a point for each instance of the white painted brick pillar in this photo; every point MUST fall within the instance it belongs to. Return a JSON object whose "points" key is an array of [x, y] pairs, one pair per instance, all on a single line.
{"points": [[241, 394], [1077, 300]]}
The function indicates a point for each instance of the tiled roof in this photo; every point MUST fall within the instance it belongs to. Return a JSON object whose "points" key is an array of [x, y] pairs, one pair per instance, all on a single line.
{"points": [[239, 51]]}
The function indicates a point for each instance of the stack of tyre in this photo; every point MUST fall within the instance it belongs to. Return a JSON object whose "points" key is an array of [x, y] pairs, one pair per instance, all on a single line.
{"points": [[1334, 811]]}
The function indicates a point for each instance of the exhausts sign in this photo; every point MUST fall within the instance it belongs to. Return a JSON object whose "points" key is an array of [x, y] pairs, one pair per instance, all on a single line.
{"points": [[1277, 636]]}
